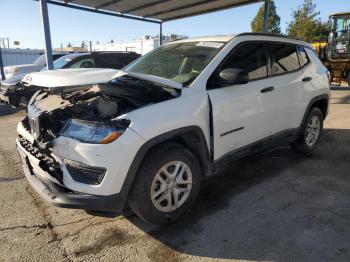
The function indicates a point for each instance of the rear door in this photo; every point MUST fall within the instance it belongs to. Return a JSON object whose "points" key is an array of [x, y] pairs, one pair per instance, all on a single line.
{"points": [[288, 81], [239, 115]]}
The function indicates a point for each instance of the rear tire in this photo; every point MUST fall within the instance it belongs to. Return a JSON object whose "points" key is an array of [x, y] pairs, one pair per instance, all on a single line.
{"points": [[310, 132], [166, 186]]}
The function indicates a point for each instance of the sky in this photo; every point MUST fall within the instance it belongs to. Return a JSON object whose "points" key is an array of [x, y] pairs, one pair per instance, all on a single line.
{"points": [[21, 21]]}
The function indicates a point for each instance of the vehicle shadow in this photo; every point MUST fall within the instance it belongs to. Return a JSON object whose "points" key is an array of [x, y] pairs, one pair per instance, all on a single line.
{"points": [[273, 206]]}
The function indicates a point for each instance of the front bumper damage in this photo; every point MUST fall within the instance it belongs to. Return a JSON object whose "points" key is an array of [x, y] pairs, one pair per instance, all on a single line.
{"points": [[49, 188], [48, 175]]}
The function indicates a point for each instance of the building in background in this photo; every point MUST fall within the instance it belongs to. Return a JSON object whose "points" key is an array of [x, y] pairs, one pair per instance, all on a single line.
{"points": [[16, 56], [72, 49], [140, 46]]}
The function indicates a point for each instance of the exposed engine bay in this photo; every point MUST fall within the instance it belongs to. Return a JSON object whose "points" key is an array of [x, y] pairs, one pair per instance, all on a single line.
{"points": [[55, 112]]}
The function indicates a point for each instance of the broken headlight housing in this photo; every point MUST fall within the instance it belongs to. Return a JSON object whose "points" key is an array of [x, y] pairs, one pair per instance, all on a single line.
{"points": [[91, 132]]}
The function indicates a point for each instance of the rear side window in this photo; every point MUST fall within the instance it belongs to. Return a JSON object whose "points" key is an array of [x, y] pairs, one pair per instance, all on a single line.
{"points": [[303, 58], [83, 63], [114, 61], [250, 57], [284, 58]]}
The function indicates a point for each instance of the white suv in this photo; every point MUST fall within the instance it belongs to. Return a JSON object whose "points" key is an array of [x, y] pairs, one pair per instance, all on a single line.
{"points": [[150, 135]]}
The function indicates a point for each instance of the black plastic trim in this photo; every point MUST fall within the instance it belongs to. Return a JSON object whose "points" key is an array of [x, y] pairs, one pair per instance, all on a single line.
{"points": [[258, 146], [311, 103]]}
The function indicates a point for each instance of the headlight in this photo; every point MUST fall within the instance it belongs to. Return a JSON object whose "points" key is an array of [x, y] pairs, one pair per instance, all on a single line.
{"points": [[13, 70], [91, 132]]}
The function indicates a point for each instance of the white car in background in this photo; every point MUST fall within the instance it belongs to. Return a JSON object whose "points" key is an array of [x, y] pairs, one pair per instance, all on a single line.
{"points": [[19, 71], [150, 135]]}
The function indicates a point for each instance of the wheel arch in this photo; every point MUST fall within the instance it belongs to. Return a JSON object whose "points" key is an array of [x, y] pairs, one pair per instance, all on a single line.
{"points": [[192, 137], [322, 102]]}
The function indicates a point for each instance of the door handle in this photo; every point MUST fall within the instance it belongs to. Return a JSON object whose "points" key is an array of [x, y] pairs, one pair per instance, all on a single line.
{"points": [[307, 79], [267, 89]]}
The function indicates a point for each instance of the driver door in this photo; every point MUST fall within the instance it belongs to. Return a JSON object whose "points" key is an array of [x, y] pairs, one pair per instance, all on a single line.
{"points": [[240, 115]]}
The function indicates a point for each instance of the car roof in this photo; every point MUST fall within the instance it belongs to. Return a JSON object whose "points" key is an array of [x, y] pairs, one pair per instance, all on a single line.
{"points": [[75, 55], [228, 38], [274, 38], [215, 38]]}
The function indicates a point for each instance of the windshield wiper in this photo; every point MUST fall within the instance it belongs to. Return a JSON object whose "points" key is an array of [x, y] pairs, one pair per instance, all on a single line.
{"points": [[156, 79]]}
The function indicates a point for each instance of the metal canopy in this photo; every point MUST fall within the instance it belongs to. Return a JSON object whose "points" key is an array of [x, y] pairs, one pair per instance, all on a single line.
{"points": [[153, 10]]}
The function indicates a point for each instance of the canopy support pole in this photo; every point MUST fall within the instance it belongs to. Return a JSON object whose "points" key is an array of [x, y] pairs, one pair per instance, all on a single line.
{"points": [[266, 16], [1, 66], [160, 34], [46, 26]]}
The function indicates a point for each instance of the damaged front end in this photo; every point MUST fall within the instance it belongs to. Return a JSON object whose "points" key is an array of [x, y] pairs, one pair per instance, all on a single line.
{"points": [[66, 140]]}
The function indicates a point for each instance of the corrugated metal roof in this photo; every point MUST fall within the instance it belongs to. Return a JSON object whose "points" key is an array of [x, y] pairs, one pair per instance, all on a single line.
{"points": [[161, 10]]}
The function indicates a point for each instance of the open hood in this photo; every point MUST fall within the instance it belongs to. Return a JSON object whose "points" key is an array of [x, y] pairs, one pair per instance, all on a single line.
{"points": [[151, 78], [58, 79], [156, 79], [53, 79]]}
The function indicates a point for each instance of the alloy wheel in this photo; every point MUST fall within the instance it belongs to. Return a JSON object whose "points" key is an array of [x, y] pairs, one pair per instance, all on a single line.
{"points": [[171, 186]]}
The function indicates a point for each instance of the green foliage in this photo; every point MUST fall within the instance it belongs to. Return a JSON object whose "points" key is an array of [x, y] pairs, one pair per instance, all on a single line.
{"points": [[273, 20], [306, 25]]}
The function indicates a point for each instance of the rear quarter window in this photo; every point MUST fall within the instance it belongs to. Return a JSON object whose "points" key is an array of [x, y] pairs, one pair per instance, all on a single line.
{"points": [[303, 58], [284, 58]]}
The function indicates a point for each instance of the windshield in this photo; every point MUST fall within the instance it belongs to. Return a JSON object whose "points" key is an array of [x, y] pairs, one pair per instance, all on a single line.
{"points": [[180, 62], [40, 60], [342, 24], [340, 35]]}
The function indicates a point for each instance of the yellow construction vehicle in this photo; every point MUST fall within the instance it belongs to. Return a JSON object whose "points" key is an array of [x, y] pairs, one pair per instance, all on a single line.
{"points": [[335, 53]]}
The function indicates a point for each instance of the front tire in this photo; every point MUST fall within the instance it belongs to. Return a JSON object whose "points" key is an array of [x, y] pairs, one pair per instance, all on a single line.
{"points": [[166, 185], [310, 132]]}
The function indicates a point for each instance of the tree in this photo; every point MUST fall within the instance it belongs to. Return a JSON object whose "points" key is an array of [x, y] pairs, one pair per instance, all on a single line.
{"points": [[112, 41], [83, 44], [69, 45], [306, 25], [273, 20]]}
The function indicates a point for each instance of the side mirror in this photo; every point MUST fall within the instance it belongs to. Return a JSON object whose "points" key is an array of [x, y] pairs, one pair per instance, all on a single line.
{"points": [[233, 76]]}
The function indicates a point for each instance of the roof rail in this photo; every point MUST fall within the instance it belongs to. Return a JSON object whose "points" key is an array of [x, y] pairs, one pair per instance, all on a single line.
{"points": [[269, 34]]}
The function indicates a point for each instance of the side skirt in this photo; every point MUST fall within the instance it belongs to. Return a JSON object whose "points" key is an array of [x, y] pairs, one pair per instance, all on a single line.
{"points": [[273, 141]]}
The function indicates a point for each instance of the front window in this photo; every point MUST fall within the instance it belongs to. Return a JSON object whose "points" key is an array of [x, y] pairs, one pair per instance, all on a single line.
{"points": [[180, 62], [62, 61]]}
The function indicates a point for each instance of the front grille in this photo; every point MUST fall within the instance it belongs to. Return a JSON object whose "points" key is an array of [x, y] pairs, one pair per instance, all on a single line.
{"points": [[47, 162]]}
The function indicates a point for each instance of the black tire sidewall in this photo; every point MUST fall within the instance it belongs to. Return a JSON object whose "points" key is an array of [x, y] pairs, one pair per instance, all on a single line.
{"points": [[300, 145], [140, 196]]}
